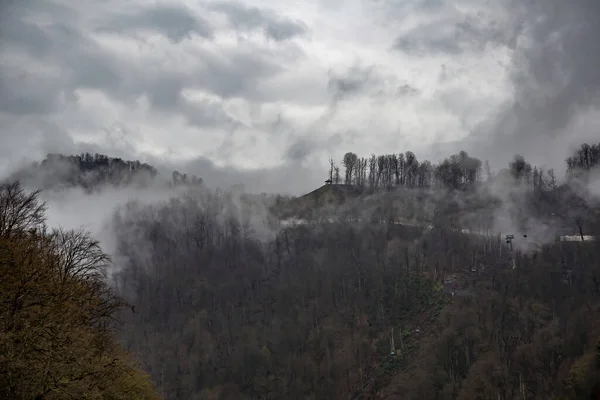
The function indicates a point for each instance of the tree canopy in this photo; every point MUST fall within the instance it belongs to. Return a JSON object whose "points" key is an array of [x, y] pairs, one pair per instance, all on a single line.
{"points": [[57, 318]]}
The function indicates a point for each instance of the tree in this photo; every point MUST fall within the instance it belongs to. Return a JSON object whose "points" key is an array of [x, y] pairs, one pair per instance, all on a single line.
{"points": [[488, 170], [372, 170], [336, 175], [57, 326], [331, 169], [19, 211], [411, 167], [349, 162], [551, 180], [520, 169]]}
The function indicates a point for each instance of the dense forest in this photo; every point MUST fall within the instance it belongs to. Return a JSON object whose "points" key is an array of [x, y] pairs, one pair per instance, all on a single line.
{"points": [[358, 310], [228, 304]]}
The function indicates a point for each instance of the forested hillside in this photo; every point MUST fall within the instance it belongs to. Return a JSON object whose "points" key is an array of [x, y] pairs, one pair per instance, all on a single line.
{"points": [[229, 304], [366, 310], [57, 321], [459, 192]]}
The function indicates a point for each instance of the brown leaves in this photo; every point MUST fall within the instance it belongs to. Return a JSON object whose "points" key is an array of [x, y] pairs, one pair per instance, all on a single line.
{"points": [[56, 339]]}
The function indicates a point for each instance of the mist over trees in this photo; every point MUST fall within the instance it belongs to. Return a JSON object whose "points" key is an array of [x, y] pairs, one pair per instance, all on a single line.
{"points": [[462, 192], [228, 303], [93, 171], [361, 309]]}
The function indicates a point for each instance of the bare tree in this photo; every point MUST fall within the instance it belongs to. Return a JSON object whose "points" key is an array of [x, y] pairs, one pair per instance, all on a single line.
{"points": [[349, 162], [20, 212]]}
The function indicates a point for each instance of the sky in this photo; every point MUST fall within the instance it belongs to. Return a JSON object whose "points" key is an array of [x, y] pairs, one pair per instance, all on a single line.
{"points": [[265, 92]]}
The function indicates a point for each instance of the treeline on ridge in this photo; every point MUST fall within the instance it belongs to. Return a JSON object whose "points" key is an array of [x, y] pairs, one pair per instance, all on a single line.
{"points": [[459, 192], [91, 171], [458, 171]]}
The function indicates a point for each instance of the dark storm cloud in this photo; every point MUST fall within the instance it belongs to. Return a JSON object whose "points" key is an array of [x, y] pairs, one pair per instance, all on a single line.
{"points": [[356, 80], [84, 63], [14, 30], [556, 76], [371, 81], [166, 92], [49, 52], [302, 148], [554, 72], [247, 18], [563, 61], [238, 74], [175, 22], [454, 34], [81, 61], [17, 32], [19, 97]]}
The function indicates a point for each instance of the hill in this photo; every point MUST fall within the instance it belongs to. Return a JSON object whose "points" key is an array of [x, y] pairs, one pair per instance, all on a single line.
{"points": [[329, 195], [94, 171], [500, 204], [228, 307], [353, 311]]}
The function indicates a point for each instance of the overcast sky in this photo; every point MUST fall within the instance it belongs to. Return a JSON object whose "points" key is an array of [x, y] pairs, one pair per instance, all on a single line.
{"points": [[266, 91]]}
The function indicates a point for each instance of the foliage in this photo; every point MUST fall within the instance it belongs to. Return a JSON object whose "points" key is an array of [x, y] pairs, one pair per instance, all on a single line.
{"points": [[57, 315], [316, 310], [229, 308]]}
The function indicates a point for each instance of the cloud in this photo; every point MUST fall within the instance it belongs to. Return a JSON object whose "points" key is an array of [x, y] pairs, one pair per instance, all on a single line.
{"points": [[246, 18], [302, 149], [288, 178], [263, 90], [451, 30], [555, 76], [176, 22], [354, 81]]}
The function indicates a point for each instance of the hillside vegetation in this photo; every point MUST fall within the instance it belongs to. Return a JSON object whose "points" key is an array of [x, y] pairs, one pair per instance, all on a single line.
{"points": [[460, 191], [229, 304], [366, 310], [57, 317]]}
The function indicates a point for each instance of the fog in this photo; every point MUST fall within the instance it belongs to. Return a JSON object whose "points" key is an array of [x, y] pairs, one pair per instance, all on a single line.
{"points": [[75, 209], [553, 73]]}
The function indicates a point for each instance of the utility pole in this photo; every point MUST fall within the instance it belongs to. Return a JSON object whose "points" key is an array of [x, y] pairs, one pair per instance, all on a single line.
{"points": [[509, 239]]}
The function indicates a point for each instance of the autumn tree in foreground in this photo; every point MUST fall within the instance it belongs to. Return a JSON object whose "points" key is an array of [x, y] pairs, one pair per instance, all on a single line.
{"points": [[56, 312]]}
